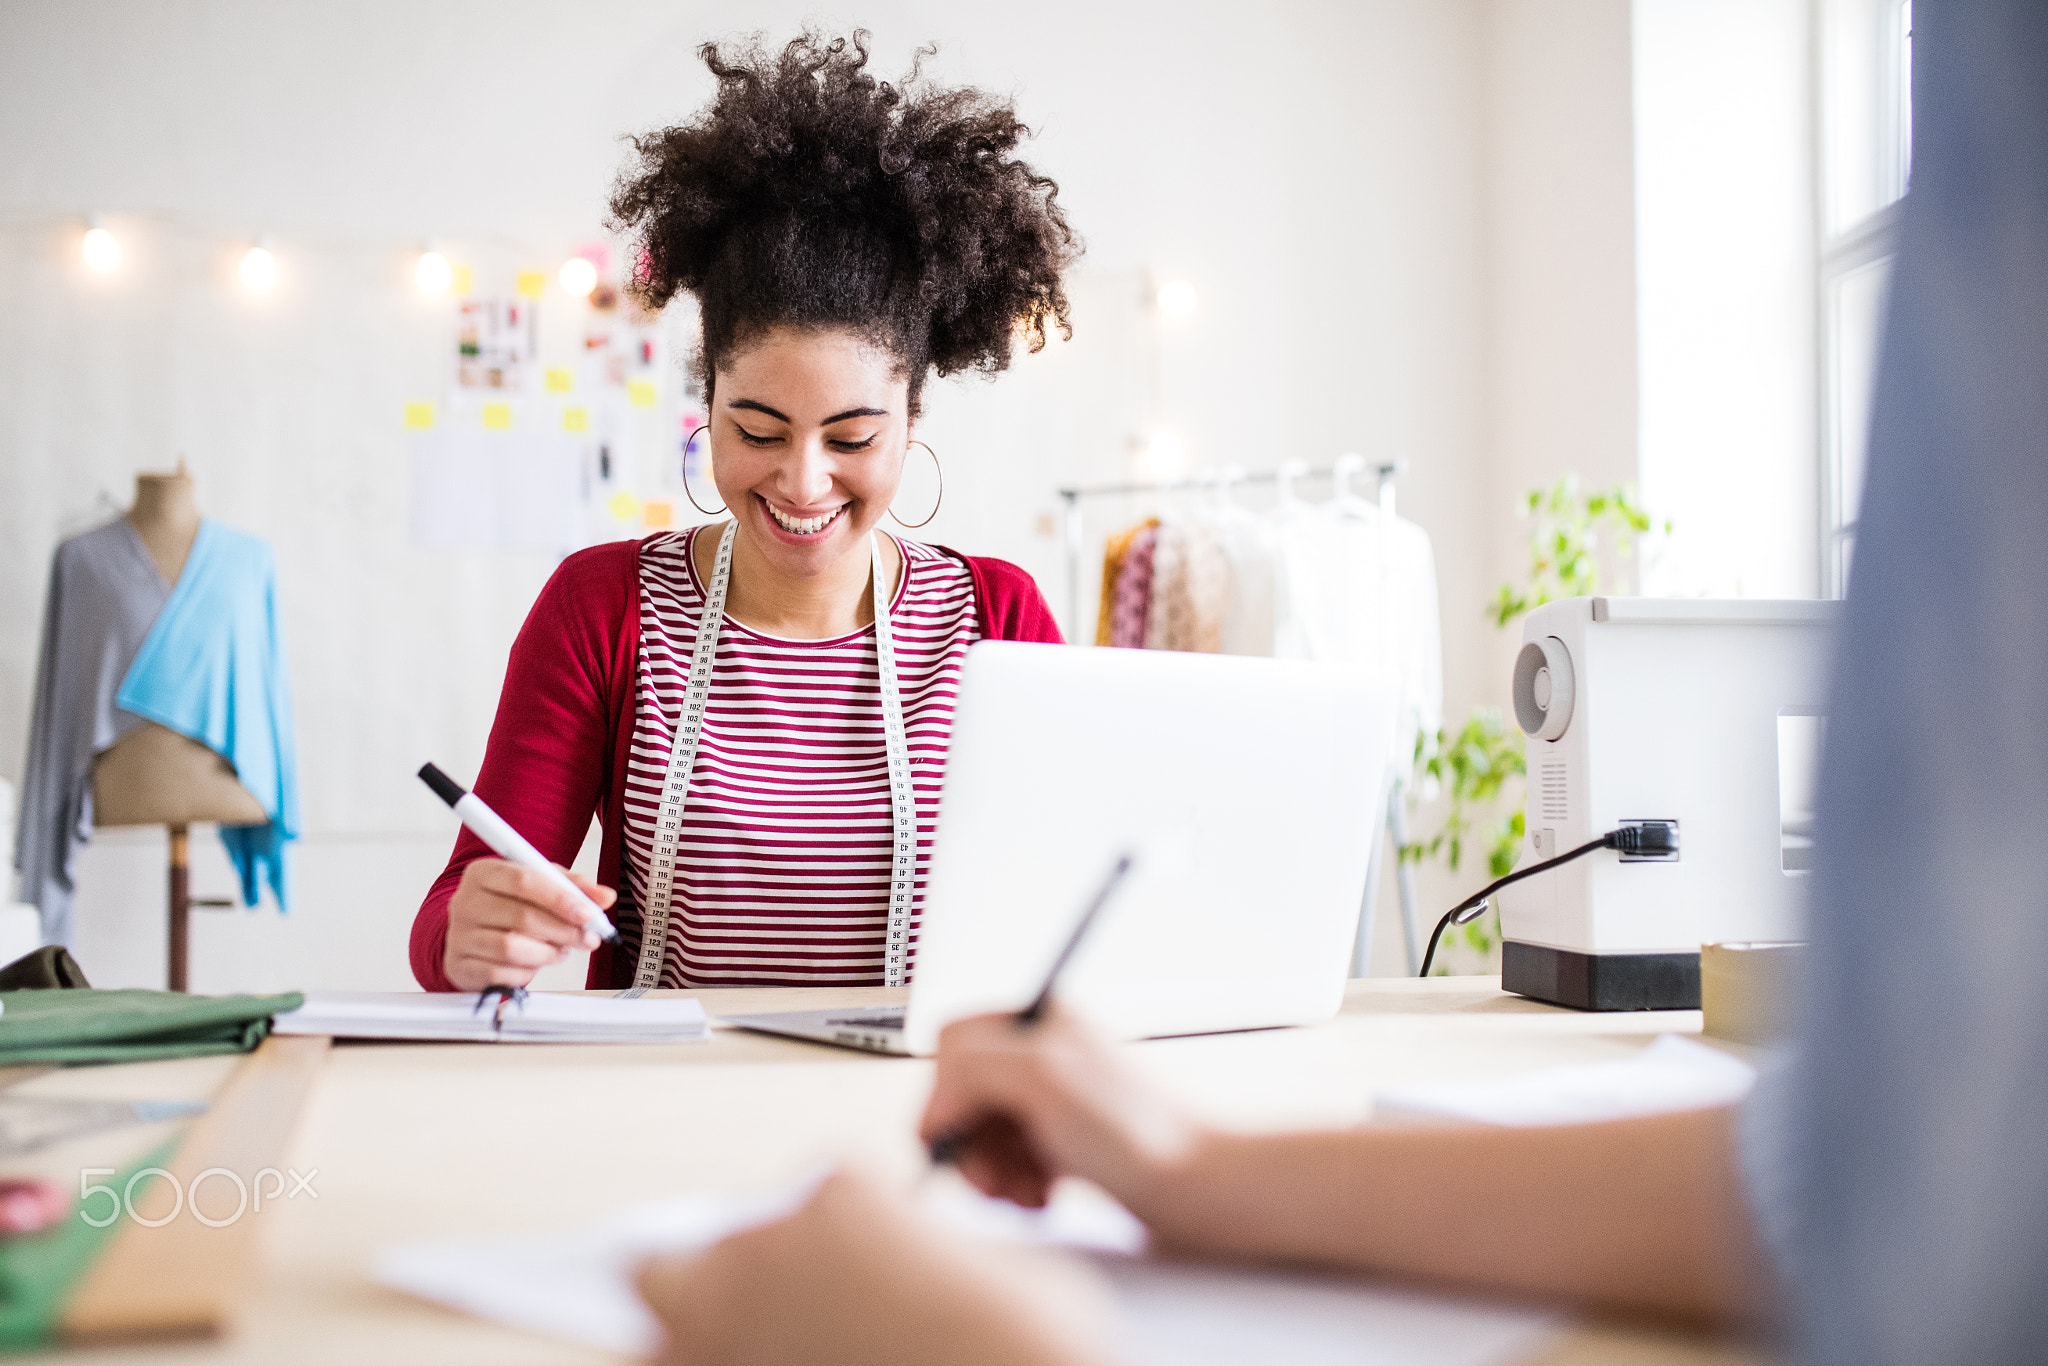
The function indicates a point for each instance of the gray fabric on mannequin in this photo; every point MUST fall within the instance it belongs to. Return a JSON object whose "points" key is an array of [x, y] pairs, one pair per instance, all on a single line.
{"points": [[105, 593]]}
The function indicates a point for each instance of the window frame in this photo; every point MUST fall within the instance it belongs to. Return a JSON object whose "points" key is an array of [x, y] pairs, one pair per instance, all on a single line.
{"points": [[1867, 241]]}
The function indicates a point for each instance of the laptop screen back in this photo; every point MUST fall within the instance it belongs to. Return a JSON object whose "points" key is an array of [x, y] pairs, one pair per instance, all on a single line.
{"points": [[1252, 792]]}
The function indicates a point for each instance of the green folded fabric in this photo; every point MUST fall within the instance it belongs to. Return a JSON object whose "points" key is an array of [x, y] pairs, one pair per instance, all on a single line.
{"points": [[90, 1025], [38, 1271]]}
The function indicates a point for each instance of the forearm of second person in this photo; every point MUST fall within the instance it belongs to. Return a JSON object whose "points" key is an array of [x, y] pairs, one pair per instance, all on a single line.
{"points": [[1643, 1214]]}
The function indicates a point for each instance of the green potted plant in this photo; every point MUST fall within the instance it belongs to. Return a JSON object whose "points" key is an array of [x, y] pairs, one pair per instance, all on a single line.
{"points": [[1478, 770]]}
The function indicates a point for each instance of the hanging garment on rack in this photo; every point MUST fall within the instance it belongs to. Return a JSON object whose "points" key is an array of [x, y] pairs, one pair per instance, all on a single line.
{"points": [[1168, 581], [105, 593], [213, 669], [1361, 588], [1134, 590], [1250, 557], [1113, 556], [1190, 587]]}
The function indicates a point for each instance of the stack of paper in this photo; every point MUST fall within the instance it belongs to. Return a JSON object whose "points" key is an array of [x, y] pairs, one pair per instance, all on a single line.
{"points": [[578, 1286], [1674, 1073], [543, 1017]]}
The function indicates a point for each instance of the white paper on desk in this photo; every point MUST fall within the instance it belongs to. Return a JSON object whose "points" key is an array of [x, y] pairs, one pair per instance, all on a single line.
{"points": [[543, 1017], [578, 1286], [1673, 1073]]}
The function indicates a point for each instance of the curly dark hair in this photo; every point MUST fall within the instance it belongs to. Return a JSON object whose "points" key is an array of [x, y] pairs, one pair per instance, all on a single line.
{"points": [[811, 194]]}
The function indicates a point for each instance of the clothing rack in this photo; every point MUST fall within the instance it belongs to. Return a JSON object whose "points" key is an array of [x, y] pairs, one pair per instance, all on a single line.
{"points": [[1339, 471]]}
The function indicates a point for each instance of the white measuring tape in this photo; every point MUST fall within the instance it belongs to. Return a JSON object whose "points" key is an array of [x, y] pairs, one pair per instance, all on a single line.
{"points": [[682, 758]]}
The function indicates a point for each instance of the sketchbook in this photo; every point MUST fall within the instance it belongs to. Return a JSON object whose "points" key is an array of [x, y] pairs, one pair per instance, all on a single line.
{"points": [[578, 1286], [543, 1017]]}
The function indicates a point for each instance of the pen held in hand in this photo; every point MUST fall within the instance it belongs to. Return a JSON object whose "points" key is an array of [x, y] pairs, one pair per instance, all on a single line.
{"points": [[508, 844], [946, 1149]]}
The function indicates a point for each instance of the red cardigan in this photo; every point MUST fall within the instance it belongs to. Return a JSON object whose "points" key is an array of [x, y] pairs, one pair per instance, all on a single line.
{"points": [[557, 752]]}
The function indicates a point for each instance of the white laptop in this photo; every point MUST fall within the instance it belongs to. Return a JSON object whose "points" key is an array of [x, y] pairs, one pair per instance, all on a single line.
{"points": [[1251, 791]]}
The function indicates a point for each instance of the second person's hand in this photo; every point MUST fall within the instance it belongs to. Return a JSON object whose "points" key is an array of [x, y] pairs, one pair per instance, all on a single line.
{"points": [[857, 1278], [1047, 1101]]}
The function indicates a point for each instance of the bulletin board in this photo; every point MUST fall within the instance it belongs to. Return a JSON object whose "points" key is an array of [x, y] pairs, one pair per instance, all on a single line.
{"points": [[555, 432]]}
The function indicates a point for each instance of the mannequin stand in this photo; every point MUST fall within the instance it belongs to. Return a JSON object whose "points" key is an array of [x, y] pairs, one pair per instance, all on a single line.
{"points": [[181, 908], [181, 903]]}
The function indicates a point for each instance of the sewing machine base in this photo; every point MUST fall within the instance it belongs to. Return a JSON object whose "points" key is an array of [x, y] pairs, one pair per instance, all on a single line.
{"points": [[1601, 981]]}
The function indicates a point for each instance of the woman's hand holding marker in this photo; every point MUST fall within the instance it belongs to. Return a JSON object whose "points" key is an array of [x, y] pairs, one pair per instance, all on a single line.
{"points": [[506, 923], [513, 915]]}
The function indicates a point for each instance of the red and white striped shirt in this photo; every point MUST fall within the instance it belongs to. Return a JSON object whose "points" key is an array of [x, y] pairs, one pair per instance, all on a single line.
{"points": [[783, 874]]}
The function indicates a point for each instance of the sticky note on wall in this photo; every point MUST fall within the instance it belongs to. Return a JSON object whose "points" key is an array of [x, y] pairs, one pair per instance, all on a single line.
{"points": [[497, 416], [642, 392], [419, 416], [560, 379], [465, 279], [657, 514], [533, 283], [623, 506], [575, 419]]}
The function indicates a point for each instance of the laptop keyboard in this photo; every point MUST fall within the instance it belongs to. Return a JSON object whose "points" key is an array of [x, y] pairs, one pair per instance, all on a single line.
{"points": [[870, 1021]]}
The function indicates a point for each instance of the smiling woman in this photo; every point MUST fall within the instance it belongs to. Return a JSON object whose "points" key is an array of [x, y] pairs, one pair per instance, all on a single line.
{"points": [[755, 709]]}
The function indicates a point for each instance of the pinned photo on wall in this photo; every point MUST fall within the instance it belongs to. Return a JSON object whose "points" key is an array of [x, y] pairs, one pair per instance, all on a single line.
{"points": [[495, 342], [696, 450]]}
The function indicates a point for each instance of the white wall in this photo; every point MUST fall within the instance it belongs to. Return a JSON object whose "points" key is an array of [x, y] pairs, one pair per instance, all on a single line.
{"points": [[1315, 170], [1560, 261]]}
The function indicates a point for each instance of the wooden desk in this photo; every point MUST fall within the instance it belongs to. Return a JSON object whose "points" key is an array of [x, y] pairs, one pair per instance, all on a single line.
{"points": [[415, 1141]]}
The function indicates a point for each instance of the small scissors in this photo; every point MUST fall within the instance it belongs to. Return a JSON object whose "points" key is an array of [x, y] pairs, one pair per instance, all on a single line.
{"points": [[507, 996]]}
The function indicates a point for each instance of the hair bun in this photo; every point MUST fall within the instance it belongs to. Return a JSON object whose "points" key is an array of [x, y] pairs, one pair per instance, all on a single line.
{"points": [[811, 194]]}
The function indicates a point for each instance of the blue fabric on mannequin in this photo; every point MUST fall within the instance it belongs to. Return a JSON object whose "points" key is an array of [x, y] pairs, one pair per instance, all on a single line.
{"points": [[213, 668]]}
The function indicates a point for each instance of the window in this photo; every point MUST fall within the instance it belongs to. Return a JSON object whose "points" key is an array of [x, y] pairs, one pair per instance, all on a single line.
{"points": [[1865, 159]]}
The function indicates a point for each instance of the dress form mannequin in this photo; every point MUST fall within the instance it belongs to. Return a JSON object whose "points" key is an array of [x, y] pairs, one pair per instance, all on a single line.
{"points": [[153, 775]]}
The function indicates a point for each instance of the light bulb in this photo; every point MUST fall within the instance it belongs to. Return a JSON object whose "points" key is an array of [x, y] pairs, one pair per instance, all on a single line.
{"points": [[433, 274], [258, 269], [101, 248], [578, 277], [1176, 298]]}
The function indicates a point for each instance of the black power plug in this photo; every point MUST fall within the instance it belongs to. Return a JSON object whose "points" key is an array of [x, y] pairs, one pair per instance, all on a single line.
{"points": [[1645, 841]]}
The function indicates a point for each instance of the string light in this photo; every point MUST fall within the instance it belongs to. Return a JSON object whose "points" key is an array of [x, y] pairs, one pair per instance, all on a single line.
{"points": [[259, 268], [432, 273], [1176, 298], [578, 277], [101, 249]]}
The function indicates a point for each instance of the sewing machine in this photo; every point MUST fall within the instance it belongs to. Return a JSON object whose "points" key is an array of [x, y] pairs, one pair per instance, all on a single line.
{"points": [[1703, 713]]}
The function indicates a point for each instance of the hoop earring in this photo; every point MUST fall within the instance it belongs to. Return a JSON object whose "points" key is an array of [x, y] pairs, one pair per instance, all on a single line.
{"points": [[687, 443], [942, 488]]}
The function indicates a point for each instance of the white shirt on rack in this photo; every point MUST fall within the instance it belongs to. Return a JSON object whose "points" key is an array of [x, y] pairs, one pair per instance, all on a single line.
{"points": [[1358, 586]]}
